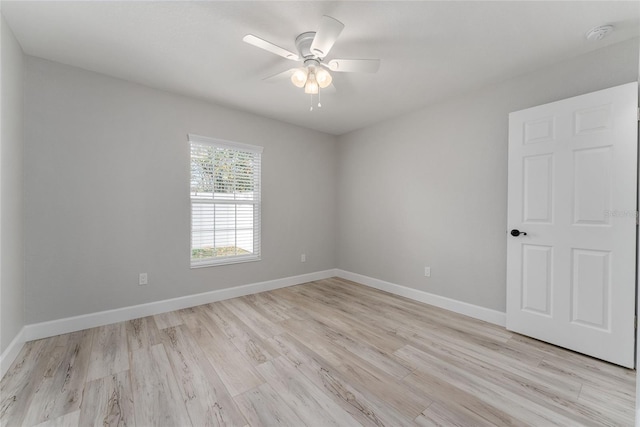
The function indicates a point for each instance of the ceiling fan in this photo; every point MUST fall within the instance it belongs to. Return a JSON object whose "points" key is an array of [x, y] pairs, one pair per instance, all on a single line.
{"points": [[313, 48]]}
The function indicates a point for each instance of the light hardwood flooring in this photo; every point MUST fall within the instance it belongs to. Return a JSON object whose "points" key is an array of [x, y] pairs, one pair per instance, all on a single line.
{"points": [[326, 353]]}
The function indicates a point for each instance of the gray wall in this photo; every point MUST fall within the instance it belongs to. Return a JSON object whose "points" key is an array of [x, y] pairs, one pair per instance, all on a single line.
{"points": [[430, 188], [107, 193], [11, 193]]}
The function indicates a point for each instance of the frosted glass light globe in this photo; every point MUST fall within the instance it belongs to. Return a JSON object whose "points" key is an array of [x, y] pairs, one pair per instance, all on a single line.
{"points": [[299, 77], [312, 85], [323, 77]]}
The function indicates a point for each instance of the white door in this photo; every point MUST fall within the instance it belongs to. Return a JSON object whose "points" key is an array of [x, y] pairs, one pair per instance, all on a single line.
{"points": [[572, 190]]}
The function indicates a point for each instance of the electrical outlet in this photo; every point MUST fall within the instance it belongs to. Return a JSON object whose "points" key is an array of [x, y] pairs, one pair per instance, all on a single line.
{"points": [[303, 258], [427, 272], [143, 279]]}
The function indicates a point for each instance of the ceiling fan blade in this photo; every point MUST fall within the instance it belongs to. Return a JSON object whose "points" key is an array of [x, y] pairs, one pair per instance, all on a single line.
{"points": [[285, 75], [270, 47], [329, 89], [354, 65], [326, 36]]}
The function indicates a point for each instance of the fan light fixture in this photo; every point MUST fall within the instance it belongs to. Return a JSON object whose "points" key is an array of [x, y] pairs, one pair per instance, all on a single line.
{"points": [[313, 48], [311, 78]]}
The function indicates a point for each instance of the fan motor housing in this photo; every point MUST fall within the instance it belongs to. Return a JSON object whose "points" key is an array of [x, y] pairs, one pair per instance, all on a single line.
{"points": [[303, 44]]}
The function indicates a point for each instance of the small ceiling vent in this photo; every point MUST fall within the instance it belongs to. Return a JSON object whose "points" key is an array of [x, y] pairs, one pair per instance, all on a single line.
{"points": [[599, 32]]}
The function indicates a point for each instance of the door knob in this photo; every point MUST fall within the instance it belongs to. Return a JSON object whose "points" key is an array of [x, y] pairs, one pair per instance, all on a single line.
{"points": [[515, 232]]}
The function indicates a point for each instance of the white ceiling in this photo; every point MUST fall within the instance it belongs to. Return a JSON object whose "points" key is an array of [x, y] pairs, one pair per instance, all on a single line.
{"points": [[429, 50]]}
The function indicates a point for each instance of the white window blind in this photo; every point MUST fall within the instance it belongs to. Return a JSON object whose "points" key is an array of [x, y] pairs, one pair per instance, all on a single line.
{"points": [[225, 201]]}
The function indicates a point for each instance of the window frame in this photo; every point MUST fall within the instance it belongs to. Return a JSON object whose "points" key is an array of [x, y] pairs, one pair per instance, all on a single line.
{"points": [[256, 202]]}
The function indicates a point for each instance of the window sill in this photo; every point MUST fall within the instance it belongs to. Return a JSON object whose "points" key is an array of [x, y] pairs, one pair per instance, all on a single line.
{"points": [[226, 261]]}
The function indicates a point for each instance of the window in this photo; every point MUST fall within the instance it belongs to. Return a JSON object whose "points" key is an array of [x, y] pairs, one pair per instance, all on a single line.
{"points": [[225, 202]]}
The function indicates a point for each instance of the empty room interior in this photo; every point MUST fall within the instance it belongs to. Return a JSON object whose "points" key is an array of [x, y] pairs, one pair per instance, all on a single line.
{"points": [[319, 213]]}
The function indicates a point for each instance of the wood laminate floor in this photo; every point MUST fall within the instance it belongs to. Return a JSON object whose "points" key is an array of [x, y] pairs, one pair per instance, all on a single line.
{"points": [[326, 353]]}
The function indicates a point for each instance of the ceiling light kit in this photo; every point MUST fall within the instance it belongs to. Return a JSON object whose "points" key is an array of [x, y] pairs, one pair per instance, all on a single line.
{"points": [[313, 47]]}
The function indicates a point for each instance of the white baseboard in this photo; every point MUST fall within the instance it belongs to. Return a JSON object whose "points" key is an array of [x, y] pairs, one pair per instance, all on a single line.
{"points": [[475, 311], [86, 321], [11, 352], [77, 323]]}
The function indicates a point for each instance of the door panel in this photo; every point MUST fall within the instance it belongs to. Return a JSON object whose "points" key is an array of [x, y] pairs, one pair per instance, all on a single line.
{"points": [[572, 189], [590, 288], [593, 119], [540, 130], [536, 278], [538, 189], [592, 186]]}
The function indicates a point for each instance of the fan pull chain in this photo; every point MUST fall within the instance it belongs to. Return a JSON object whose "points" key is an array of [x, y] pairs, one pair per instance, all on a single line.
{"points": [[319, 105], [311, 104]]}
